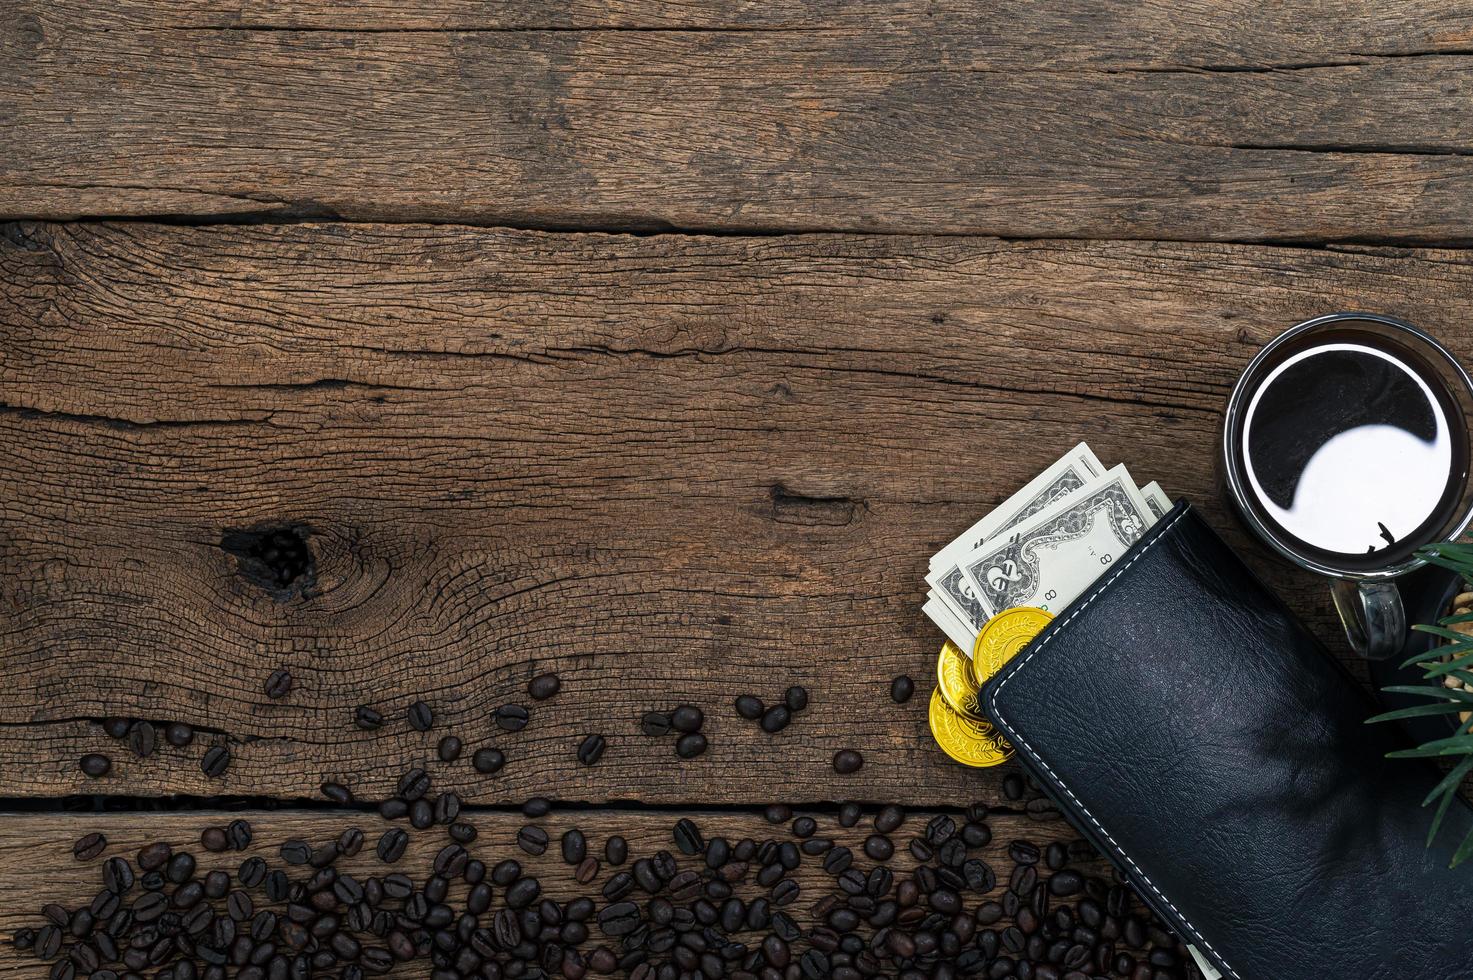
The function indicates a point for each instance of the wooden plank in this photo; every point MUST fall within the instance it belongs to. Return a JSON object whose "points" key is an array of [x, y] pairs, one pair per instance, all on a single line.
{"points": [[37, 866], [988, 121], [671, 469], [1194, 33]]}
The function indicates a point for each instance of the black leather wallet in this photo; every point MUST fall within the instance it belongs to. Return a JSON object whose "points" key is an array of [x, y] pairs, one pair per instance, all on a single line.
{"points": [[1218, 754]]}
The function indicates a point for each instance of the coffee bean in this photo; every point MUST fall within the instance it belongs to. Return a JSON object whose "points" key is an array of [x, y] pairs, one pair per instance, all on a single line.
{"points": [[879, 847], [586, 871], [537, 806], [391, 845], [616, 850], [337, 793], [749, 707], [367, 718], [296, 852], [180, 868], [901, 689], [687, 718], [1023, 852], [413, 785], [776, 718], [591, 749], [488, 760], [279, 684], [543, 686], [1012, 786], [421, 718], [796, 698], [213, 839], [655, 723], [117, 727], [523, 892], [889, 819], [142, 739], [847, 761], [574, 846], [239, 833], [532, 839], [89, 846], [688, 837], [510, 717], [216, 760], [154, 856], [421, 814], [690, 746], [1065, 883]]}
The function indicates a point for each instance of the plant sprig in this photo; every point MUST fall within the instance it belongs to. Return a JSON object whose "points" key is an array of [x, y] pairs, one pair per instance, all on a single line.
{"points": [[1452, 658]]}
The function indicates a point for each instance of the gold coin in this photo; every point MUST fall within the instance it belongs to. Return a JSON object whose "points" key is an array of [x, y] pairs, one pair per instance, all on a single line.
{"points": [[955, 682], [1003, 637], [972, 743]]}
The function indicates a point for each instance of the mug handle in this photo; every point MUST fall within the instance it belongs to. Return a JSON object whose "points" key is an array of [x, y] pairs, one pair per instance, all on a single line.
{"points": [[1372, 614]]}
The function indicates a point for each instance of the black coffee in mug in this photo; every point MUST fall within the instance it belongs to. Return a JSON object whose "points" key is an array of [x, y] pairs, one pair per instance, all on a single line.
{"points": [[1346, 448]]}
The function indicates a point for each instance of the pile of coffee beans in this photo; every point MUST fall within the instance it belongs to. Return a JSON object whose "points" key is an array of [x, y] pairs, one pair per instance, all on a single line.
{"points": [[795, 903]]}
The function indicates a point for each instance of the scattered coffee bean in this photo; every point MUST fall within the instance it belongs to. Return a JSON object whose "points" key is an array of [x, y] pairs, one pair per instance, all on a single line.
{"points": [[616, 850], [1012, 786], [279, 684], [690, 746], [216, 760], [142, 739], [449, 748], [687, 718], [543, 686], [89, 846], [901, 689], [510, 717], [591, 749], [537, 806], [688, 837], [776, 718], [213, 839], [654, 724], [749, 707], [849, 814], [421, 718], [532, 839], [488, 760], [239, 833], [95, 764], [847, 761], [391, 845], [879, 847], [116, 727], [337, 793], [178, 734], [574, 846], [796, 698], [367, 718]]}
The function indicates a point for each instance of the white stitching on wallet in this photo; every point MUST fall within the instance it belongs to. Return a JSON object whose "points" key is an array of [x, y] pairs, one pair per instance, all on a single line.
{"points": [[1018, 740]]}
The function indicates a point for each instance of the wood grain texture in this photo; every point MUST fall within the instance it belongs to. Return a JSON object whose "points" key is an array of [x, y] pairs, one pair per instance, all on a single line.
{"points": [[1198, 121], [670, 468], [37, 866], [1150, 32]]}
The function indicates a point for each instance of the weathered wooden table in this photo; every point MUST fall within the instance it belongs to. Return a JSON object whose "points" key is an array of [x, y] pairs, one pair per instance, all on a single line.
{"points": [[655, 344]]}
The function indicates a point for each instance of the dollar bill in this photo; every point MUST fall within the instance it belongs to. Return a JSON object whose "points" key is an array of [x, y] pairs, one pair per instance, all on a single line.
{"points": [[1052, 557], [947, 621], [1156, 499], [950, 585]]}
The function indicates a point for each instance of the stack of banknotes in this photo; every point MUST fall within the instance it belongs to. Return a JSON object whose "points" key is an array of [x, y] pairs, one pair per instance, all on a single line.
{"points": [[999, 583]]}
